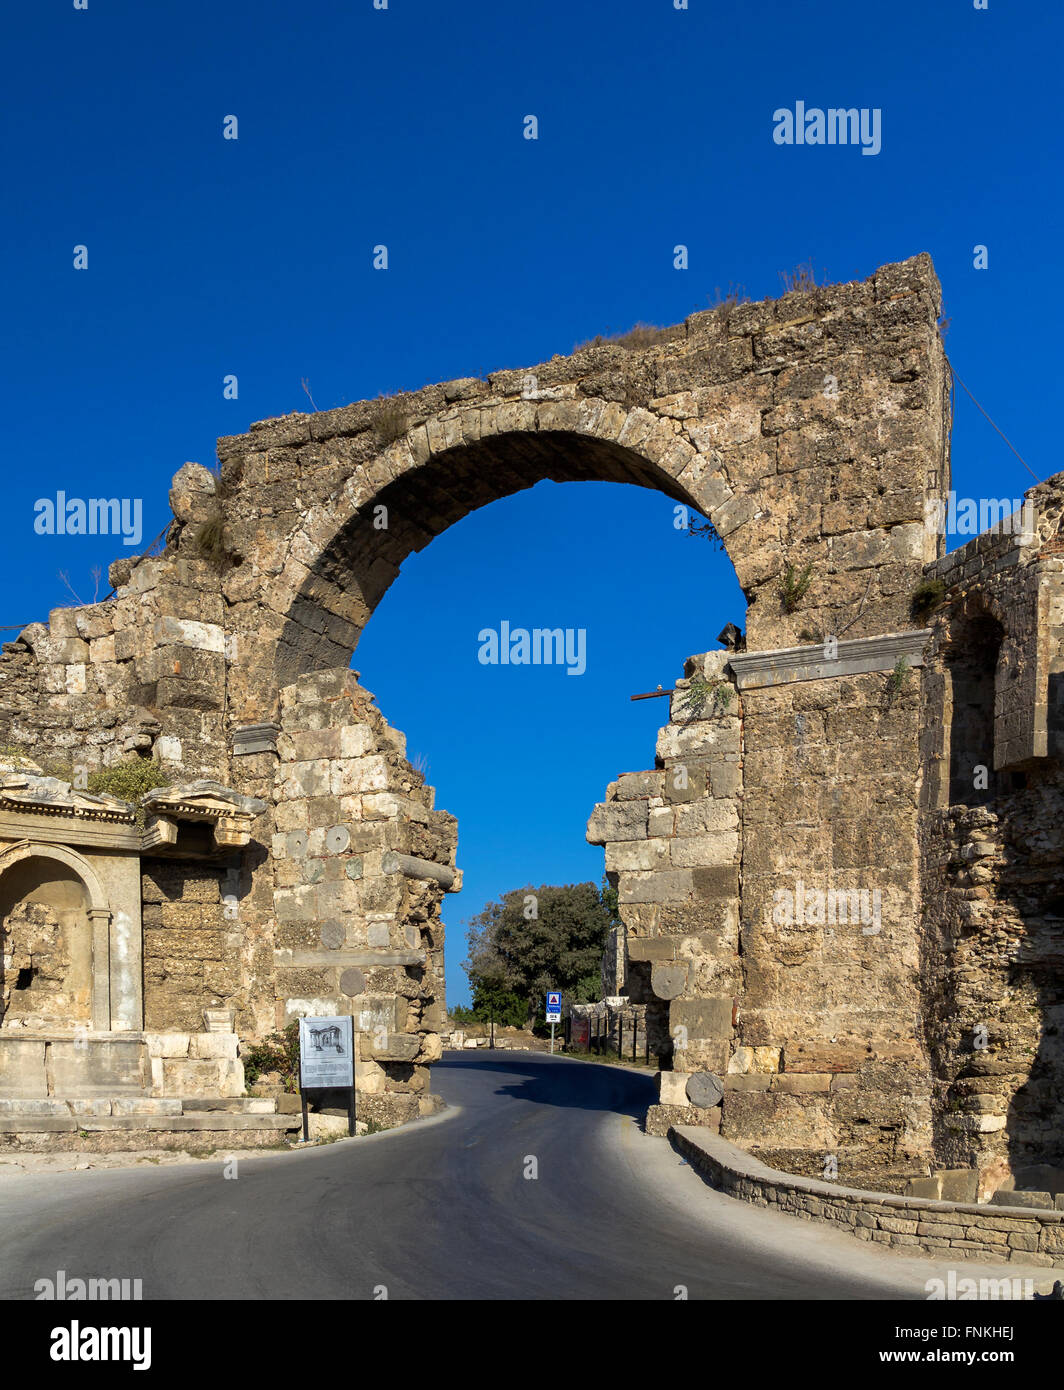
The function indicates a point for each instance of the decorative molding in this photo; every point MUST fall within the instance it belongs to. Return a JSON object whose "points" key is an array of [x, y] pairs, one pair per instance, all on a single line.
{"points": [[58, 830], [256, 738], [855, 657], [229, 814]]}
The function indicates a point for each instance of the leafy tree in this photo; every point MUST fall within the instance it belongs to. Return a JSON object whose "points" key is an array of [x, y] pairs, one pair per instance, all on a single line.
{"points": [[535, 939]]}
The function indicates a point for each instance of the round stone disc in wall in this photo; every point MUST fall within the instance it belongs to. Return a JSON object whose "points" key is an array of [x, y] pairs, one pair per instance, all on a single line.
{"points": [[337, 839], [705, 1090], [352, 982], [667, 981], [295, 844], [333, 936]]}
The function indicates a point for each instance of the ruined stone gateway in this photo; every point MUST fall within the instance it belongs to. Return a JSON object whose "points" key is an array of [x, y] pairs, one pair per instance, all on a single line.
{"points": [[841, 881]]}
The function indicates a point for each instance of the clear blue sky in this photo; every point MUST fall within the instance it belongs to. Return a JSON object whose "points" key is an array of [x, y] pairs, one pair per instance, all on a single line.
{"points": [[360, 126]]}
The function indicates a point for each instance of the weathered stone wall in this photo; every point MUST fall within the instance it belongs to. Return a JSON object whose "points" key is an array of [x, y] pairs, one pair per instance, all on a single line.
{"points": [[992, 849], [361, 861], [811, 431], [191, 947], [959, 1230]]}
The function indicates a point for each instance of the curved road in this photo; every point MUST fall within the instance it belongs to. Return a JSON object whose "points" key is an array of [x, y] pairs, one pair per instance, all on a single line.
{"points": [[444, 1209]]}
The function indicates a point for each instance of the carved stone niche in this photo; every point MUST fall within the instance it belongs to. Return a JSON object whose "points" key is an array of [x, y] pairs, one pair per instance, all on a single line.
{"points": [[224, 815]]}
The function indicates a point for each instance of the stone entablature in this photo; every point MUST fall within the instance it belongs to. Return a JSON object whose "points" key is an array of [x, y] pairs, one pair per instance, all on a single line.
{"points": [[851, 657], [229, 815]]}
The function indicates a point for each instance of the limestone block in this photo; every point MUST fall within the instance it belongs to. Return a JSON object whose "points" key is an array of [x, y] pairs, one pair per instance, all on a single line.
{"points": [[145, 1105], [747, 1060], [672, 1087], [356, 740], [392, 1047], [669, 886], [632, 785], [22, 1070], [368, 774], [219, 1077], [212, 1046], [797, 1083], [191, 491], [208, 637], [626, 820], [103, 1067], [637, 854], [958, 1184], [91, 1106], [705, 851], [707, 816], [702, 1019], [167, 1044]]}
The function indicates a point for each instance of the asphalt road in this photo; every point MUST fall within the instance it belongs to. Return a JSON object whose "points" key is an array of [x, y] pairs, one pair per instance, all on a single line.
{"points": [[445, 1208]]}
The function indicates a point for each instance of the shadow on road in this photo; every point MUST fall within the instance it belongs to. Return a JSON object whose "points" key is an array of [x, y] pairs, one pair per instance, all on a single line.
{"points": [[568, 1084]]}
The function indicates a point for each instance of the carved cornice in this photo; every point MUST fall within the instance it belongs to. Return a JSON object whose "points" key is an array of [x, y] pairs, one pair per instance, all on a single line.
{"points": [[854, 657], [229, 814], [31, 793]]}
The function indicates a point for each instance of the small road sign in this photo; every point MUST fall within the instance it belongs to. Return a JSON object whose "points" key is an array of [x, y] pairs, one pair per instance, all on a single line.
{"points": [[554, 1006]]}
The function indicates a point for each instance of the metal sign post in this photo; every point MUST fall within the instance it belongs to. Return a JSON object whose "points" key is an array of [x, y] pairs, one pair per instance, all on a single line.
{"points": [[554, 1013], [327, 1062]]}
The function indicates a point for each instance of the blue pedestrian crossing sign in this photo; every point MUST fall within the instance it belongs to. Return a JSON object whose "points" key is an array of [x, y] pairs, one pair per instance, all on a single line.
{"points": [[554, 1006]]}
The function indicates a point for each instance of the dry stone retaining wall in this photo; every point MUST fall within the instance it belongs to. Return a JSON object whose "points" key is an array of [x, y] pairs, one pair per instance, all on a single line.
{"points": [[959, 1230]]}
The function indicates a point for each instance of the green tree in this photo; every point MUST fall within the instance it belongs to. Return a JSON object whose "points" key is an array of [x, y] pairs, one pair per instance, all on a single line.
{"points": [[535, 939]]}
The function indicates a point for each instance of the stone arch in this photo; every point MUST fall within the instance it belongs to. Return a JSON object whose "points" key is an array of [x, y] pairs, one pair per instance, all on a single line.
{"points": [[342, 560], [77, 863], [84, 925]]}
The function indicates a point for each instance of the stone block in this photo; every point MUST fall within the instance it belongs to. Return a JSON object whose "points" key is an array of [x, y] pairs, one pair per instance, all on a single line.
{"points": [[1041, 1201], [213, 1046], [100, 1067], [663, 886], [702, 1018], [22, 1069], [799, 1083], [959, 1184], [617, 820], [145, 1105], [672, 1087]]}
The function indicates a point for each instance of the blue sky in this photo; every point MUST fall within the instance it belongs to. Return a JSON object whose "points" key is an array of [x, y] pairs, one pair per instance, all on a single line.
{"points": [[404, 126]]}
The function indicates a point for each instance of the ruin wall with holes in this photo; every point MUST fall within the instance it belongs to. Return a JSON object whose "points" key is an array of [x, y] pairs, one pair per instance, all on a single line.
{"points": [[812, 430]]}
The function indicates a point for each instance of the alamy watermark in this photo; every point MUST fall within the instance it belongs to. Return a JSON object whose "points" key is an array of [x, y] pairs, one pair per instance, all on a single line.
{"points": [[971, 516], [836, 126], [818, 907], [540, 646], [97, 516], [951, 1288], [75, 1290]]}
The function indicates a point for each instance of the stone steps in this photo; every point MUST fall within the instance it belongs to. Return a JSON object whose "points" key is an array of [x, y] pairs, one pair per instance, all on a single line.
{"points": [[94, 1124], [93, 1108], [195, 1123]]}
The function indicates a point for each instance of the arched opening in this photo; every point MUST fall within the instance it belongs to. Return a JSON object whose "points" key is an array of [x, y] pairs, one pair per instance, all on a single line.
{"points": [[354, 934], [521, 754], [45, 946], [971, 670], [350, 574]]}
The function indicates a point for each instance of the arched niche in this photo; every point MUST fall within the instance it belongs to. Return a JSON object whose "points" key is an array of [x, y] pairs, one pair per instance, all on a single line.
{"points": [[54, 970]]}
